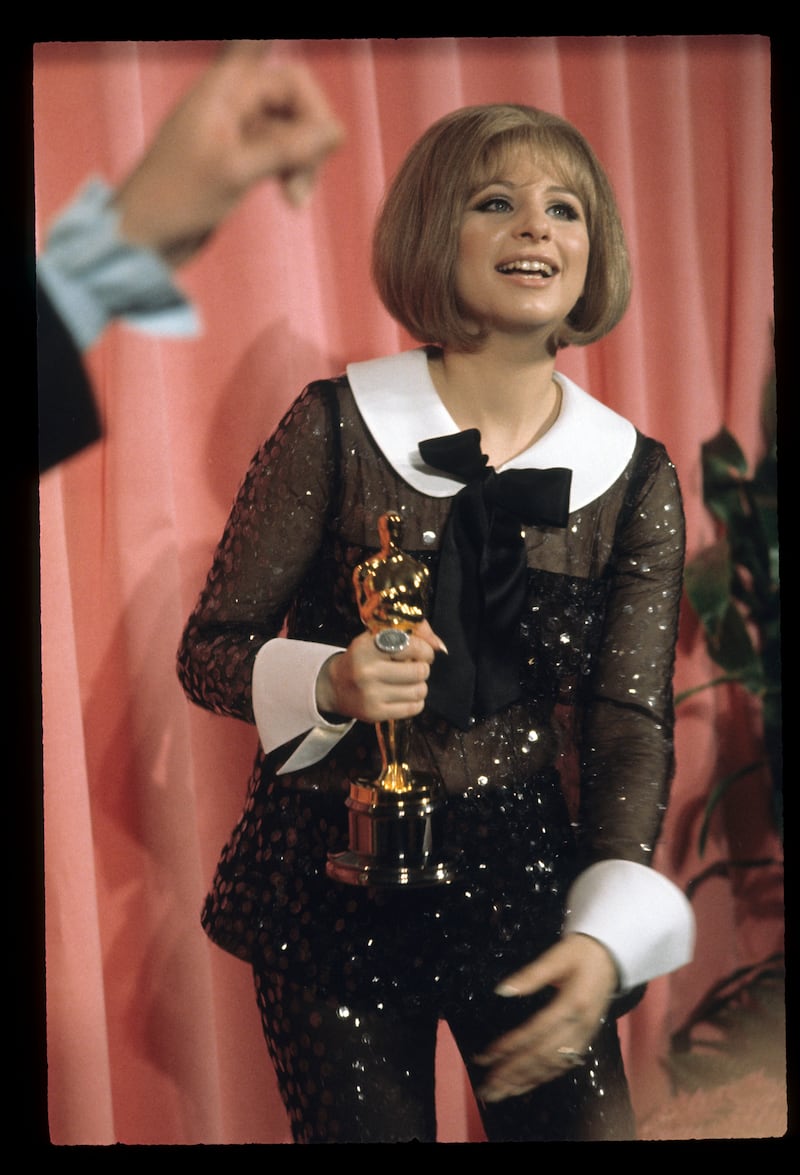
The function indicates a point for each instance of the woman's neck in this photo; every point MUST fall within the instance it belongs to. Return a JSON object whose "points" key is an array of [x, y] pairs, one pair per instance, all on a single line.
{"points": [[507, 393]]}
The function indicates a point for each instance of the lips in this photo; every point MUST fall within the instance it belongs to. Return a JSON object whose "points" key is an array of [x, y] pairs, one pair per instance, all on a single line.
{"points": [[537, 266]]}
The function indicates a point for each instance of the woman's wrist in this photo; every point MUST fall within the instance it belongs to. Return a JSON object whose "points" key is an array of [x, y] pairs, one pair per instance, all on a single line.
{"points": [[641, 918], [326, 693], [604, 965]]}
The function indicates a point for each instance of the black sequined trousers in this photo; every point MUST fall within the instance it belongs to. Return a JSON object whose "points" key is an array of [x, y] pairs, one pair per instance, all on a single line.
{"points": [[352, 982]]}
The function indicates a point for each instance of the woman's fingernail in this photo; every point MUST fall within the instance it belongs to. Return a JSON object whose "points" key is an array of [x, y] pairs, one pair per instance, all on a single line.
{"points": [[506, 989]]}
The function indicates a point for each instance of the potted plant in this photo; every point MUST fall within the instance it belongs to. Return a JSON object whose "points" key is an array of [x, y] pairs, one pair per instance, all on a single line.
{"points": [[732, 585]]}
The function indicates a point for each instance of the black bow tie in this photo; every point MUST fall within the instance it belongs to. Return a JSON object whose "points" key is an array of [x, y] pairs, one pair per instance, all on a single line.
{"points": [[482, 574]]}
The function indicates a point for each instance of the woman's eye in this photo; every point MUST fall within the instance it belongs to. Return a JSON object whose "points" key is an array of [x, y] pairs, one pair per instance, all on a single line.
{"points": [[494, 204], [564, 211]]}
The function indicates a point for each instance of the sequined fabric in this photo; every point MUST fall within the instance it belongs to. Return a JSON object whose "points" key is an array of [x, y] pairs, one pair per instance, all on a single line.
{"points": [[577, 771], [351, 983]]}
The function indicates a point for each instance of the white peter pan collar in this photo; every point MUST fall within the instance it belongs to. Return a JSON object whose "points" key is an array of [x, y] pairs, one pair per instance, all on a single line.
{"points": [[400, 406]]}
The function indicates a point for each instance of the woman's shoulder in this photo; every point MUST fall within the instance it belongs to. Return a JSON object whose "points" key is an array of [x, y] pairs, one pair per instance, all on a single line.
{"points": [[651, 466], [314, 406]]}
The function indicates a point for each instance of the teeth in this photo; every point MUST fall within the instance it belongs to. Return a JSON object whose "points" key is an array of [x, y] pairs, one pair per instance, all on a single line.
{"points": [[528, 267]]}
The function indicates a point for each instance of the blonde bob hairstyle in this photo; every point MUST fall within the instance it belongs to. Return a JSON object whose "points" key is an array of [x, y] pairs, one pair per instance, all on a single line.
{"points": [[415, 244]]}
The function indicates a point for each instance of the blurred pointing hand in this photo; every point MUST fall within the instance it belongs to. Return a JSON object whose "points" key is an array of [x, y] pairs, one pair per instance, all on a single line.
{"points": [[244, 121]]}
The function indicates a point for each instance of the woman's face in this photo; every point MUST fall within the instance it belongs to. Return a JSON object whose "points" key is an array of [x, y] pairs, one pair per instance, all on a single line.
{"points": [[523, 250]]}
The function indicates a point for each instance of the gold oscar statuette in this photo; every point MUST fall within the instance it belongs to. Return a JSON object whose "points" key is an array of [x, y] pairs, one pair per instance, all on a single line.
{"points": [[396, 821]]}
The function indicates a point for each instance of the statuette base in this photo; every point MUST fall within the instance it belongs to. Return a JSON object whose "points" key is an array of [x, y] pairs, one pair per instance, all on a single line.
{"points": [[395, 838]]}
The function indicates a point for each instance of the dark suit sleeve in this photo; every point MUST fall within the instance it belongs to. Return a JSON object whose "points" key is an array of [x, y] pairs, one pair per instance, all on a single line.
{"points": [[68, 416]]}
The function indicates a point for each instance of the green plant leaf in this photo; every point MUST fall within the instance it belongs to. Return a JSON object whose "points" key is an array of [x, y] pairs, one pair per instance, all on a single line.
{"points": [[707, 580], [733, 586], [720, 791], [731, 646], [722, 454], [724, 469], [726, 679]]}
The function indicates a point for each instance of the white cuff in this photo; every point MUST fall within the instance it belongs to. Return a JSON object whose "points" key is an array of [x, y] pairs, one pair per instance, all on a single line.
{"points": [[284, 701], [93, 275], [642, 918]]}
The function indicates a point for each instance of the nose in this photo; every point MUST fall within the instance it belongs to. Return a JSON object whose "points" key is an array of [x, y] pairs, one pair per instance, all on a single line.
{"points": [[533, 224], [535, 231]]}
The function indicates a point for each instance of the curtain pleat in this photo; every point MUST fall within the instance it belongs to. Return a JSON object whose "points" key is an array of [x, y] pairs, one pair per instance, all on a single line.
{"points": [[153, 1035]]}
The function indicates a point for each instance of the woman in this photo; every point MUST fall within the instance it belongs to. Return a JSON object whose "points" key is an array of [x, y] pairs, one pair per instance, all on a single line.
{"points": [[548, 657]]}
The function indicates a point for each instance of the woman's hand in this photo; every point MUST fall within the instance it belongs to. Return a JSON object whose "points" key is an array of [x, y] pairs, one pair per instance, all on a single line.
{"points": [[555, 1039], [364, 683]]}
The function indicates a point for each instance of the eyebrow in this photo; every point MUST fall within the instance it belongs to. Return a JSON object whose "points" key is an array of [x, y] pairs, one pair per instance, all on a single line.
{"points": [[552, 190]]}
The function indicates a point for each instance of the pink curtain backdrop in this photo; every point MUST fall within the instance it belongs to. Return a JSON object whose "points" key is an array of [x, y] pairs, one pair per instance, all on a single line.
{"points": [[153, 1035]]}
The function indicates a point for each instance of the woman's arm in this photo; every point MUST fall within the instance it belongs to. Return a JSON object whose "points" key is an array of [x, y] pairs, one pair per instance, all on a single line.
{"points": [[232, 659], [268, 546], [627, 748], [627, 763]]}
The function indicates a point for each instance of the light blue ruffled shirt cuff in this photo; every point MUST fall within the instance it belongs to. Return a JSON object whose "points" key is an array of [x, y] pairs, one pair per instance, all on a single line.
{"points": [[92, 275]]}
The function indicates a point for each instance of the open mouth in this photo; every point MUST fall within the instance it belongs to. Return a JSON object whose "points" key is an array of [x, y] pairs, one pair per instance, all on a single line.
{"points": [[536, 268]]}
